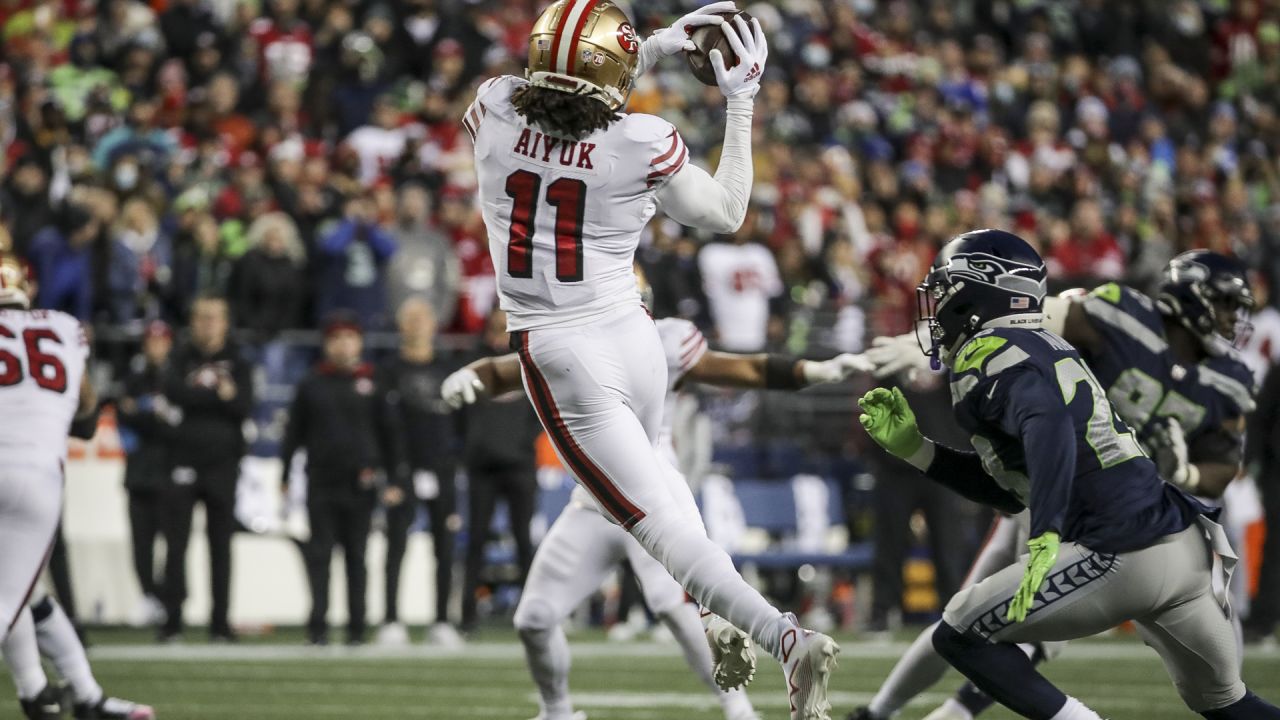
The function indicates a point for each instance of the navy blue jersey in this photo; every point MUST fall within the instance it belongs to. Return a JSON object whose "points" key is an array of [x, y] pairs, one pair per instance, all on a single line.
{"points": [[1045, 431], [1145, 381]]}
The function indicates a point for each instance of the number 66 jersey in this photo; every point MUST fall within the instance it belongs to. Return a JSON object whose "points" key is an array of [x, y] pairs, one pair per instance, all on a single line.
{"points": [[42, 360], [564, 216]]}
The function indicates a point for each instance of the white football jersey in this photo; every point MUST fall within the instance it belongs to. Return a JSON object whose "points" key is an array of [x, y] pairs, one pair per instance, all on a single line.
{"points": [[683, 346], [564, 217], [739, 281], [42, 360]]}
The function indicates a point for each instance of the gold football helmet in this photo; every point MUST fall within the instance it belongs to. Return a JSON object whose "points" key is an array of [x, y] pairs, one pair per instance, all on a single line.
{"points": [[15, 281], [584, 47]]}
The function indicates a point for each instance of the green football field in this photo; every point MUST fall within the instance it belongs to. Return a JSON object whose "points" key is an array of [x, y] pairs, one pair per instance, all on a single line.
{"points": [[634, 681]]}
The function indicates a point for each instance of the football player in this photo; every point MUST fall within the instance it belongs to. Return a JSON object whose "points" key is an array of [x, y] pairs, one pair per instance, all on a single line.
{"points": [[582, 547], [1171, 371], [567, 181], [44, 392], [1110, 541]]}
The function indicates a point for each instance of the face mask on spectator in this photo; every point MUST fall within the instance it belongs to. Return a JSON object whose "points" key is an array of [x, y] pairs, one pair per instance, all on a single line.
{"points": [[126, 176]]}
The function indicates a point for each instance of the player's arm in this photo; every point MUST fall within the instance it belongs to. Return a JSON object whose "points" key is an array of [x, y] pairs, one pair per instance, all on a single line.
{"points": [[1212, 460], [492, 375], [889, 421], [85, 422], [691, 196], [772, 371], [1067, 318]]}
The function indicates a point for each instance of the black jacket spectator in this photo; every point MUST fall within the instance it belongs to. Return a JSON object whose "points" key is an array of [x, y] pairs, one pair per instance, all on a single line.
{"points": [[347, 425], [210, 431]]}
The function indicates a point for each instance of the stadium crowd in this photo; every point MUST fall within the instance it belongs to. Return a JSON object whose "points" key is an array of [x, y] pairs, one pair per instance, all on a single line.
{"points": [[304, 157]]}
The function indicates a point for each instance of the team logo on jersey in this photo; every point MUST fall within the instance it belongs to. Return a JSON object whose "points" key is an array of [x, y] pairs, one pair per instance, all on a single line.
{"points": [[627, 38]]}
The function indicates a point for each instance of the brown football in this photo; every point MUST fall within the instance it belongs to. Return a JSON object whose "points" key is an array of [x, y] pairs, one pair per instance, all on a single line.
{"points": [[708, 38]]}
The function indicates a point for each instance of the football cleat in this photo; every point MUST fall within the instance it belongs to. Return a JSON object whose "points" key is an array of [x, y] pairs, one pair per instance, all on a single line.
{"points": [[862, 713], [110, 708], [733, 655], [579, 715], [393, 634], [807, 661], [950, 710], [442, 634], [47, 705]]}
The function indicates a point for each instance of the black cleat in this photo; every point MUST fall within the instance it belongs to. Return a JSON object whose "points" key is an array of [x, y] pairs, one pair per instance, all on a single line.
{"points": [[862, 713], [47, 705]]}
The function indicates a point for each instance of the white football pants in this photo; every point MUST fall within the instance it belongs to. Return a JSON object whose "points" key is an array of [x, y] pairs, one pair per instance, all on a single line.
{"points": [[30, 505]]}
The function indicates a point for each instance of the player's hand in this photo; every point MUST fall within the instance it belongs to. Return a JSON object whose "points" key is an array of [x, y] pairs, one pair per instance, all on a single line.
{"points": [[1044, 553], [461, 388], [889, 421], [747, 40], [671, 40], [892, 355], [1167, 445], [836, 369]]}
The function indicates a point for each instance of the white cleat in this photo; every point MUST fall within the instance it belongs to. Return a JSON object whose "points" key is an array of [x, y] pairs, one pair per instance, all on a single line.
{"points": [[442, 634], [393, 635], [733, 655], [579, 715], [950, 710], [807, 661]]}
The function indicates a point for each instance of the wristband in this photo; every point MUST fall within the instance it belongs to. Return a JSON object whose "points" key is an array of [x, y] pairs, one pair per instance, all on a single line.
{"points": [[780, 373]]}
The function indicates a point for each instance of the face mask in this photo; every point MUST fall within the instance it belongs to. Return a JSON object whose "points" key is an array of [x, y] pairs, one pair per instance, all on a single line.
{"points": [[126, 176]]}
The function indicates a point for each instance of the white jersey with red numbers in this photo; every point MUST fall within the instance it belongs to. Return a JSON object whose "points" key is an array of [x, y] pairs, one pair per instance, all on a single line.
{"points": [[42, 360], [563, 216], [683, 346]]}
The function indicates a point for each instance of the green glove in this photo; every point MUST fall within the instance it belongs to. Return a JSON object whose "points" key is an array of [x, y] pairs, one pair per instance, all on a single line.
{"points": [[889, 421], [1044, 553]]}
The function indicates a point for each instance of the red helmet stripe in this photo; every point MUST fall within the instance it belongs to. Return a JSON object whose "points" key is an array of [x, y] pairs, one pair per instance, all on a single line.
{"points": [[577, 33]]}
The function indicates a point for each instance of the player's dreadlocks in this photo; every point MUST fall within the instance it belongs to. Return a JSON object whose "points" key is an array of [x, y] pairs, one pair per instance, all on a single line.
{"points": [[560, 113]]}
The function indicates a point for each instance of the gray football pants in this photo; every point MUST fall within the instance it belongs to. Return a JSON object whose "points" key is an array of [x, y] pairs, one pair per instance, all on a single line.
{"points": [[1166, 589]]}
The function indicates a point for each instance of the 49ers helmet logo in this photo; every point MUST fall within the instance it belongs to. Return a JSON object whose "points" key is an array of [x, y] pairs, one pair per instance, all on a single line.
{"points": [[627, 38]]}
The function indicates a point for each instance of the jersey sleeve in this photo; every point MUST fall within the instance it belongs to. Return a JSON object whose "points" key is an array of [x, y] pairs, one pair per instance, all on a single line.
{"points": [[479, 107], [669, 156], [683, 345], [1123, 315]]}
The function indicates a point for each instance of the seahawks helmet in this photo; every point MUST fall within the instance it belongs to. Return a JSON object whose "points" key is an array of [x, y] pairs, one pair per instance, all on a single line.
{"points": [[981, 279], [1209, 294]]}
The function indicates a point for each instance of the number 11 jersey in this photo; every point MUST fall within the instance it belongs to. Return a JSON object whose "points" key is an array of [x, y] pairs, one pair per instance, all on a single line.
{"points": [[564, 217]]}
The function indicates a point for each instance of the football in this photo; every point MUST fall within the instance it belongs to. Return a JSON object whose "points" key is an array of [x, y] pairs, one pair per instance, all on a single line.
{"points": [[706, 39]]}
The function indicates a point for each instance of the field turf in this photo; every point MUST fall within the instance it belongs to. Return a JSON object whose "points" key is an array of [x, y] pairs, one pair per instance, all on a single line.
{"points": [[278, 679]]}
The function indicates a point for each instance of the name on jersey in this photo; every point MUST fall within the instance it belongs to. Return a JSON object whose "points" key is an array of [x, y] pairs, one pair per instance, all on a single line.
{"points": [[543, 148]]}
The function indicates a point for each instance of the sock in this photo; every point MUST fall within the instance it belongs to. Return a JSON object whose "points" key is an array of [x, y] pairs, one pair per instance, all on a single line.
{"points": [[23, 657], [956, 709], [705, 571], [1249, 707], [975, 701], [686, 627], [918, 669], [59, 642], [1075, 710], [1002, 671], [547, 653], [734, 704]]}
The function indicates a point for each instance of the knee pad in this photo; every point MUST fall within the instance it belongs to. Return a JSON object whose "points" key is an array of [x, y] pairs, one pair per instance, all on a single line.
{"points": [[42, 608], [534, 615]]}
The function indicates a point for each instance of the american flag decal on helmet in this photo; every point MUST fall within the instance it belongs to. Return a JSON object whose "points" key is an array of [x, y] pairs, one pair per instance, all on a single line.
{"points": [[1019, 303]]}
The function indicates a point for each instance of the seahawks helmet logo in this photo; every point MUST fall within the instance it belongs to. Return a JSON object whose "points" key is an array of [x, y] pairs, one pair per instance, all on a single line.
{"points": [[998, 272]]}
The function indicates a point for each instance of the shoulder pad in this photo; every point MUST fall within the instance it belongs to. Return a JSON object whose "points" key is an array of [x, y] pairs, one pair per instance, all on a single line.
{"points": [[644, 128], [1124, 310], [1232, 378], [992, 351], [494, 96]]}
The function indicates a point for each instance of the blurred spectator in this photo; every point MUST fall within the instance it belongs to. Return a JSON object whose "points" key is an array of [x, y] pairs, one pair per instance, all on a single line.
{"points": [[424, 265], [61, 257], [430, 438], [138, 137], [353, 258], [147, 420], [498, 452], [24, 202], [1088, 253], [380, 143], [343, 418], [200, 264], [268, 287], [740, 279], [209, 384], [478, 289]]}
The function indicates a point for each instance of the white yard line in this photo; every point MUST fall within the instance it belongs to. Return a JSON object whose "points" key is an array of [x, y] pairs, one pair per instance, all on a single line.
{"points": [[1077, 652]]}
